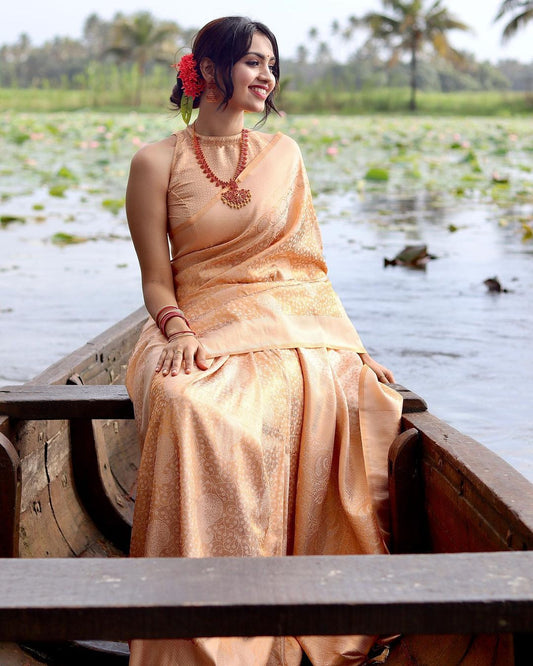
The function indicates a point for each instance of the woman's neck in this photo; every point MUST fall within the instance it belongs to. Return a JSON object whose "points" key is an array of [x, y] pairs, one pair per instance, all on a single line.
{"points": [[213, 122]]}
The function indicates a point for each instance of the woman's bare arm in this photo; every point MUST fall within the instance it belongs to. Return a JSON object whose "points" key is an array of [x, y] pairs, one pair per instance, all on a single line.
{"points": [[146, 209]]}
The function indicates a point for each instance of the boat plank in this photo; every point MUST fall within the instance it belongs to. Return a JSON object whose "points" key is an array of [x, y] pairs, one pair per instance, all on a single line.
{"points": [[104, 401], [51, 401], [122, 598], [10, 484], [471, 485], [409, 531]]}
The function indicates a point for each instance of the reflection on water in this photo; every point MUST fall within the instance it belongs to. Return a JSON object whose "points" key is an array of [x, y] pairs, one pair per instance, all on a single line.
{"points": [[466, 351]]}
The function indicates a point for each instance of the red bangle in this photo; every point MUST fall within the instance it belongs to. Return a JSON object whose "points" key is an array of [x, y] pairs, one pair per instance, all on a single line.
{"points": [[166, 313], [180, 333], [165, 309], [166, 318]]}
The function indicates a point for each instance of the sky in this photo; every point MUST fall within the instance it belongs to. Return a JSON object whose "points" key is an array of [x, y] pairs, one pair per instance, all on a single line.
{"points": [[290, 21]]}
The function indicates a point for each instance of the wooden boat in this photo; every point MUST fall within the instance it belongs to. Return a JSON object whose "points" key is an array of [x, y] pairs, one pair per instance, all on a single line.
{"points": [[68, 461]]}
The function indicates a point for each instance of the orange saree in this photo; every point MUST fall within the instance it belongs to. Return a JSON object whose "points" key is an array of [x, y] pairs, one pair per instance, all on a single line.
{"points": [[280, 447]]}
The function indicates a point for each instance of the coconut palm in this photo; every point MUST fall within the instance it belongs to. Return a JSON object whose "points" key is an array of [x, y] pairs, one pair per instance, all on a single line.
{"points": [[408, 28], [523, 13], [142, 39]]}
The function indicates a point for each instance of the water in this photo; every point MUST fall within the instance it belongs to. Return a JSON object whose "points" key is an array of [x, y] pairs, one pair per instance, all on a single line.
{"points": [[466, 351]]}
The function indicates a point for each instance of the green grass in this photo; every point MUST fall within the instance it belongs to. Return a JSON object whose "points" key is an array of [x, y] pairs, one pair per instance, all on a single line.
{"points": [[56, 100], [396, 100], [384, 100]]}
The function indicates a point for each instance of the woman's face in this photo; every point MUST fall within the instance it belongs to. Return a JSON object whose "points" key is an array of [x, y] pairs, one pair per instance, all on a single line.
{"points": [[252, 76]]}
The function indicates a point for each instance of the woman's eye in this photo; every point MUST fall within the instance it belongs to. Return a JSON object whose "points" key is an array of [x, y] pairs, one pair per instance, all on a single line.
{"points": [[253, 63]]}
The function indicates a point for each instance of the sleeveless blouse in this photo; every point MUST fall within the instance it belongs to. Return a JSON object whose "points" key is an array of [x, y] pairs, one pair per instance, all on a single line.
{"points": [[251, 278]]}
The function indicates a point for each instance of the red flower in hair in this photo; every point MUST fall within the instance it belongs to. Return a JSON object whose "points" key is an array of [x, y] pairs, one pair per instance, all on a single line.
{"points": [[192, 84]]}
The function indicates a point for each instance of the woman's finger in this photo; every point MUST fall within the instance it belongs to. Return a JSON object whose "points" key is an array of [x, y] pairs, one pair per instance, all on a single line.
{"points": [[201, 360], [180, 353], [385, 376], [161, 360], [177, 358], [188, 358]]}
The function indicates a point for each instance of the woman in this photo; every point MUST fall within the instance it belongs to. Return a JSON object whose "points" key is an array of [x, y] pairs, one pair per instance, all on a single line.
{"points": [[263, 421]]}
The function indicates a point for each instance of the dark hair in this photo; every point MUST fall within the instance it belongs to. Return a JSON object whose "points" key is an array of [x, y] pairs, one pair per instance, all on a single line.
{"points": [[225, 41]]}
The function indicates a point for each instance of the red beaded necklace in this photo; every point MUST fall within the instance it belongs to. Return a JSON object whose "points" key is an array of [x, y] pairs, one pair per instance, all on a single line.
{"points": [[233, 196]]}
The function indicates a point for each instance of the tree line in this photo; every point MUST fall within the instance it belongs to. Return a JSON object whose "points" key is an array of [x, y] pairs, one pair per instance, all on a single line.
{"points": [[407, 44]]}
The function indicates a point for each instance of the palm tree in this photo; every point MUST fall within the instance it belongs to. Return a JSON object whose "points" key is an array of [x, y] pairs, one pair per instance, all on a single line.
{"points": [[409, 27], [523, 10], [142, 39]]}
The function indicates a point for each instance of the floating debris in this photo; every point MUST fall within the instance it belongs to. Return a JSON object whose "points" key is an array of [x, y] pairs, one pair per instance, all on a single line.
{"points": [[494, 286], [414, 256], [497, 179]]}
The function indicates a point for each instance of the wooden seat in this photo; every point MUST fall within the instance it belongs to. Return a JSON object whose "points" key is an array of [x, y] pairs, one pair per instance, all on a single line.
{"points": [[121, 598], [103, 401], [118, 598]]}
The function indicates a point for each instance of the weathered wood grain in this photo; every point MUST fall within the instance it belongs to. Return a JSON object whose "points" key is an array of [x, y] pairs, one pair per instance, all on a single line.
{"points": [[106, 502], [51, 401], [474, 500], [105, 401], [409, 528], [121, 598], [411, 401], [53, 521], [10, 492]]}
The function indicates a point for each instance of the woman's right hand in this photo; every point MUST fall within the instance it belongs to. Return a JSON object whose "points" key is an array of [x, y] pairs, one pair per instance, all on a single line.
{"points": [[181, 352]]}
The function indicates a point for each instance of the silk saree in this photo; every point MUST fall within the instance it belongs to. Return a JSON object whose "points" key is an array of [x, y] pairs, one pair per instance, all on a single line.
{"points": [[280, 447]]}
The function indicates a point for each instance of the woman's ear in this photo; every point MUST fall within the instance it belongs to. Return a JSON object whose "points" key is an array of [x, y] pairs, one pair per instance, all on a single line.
{"points": [[207, 69]]}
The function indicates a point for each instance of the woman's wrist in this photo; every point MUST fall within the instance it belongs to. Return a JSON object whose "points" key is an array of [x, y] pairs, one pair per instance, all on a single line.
{"points": [[176, 325]]}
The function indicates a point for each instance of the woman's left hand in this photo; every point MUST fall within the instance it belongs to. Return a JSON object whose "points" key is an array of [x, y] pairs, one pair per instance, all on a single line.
{"points": [[383, 374]]}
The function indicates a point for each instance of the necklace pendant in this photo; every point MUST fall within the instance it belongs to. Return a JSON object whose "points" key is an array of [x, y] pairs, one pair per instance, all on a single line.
{"points": [[232, 196], [235, 198]]}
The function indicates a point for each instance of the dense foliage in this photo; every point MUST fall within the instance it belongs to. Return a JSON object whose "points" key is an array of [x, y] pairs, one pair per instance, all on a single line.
{"points": [[119, 60]]}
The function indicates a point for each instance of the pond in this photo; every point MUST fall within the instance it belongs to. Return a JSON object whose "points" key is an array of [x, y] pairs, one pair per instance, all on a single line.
{"points": [[462, 187]]}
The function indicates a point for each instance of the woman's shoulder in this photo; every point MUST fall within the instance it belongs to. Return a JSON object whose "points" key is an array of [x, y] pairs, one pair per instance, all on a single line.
{"points": [[153, 152], [155, 157]]}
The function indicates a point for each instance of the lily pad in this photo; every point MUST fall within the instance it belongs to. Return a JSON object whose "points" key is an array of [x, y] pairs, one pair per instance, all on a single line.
{"points": [[65, 172], [19, 138], [62, 238], [114, 205], [377, 173], [57, 190], [9, 219]]}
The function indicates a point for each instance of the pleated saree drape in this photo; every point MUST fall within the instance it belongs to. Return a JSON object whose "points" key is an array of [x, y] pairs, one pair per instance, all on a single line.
{"points": [[280, 447]]}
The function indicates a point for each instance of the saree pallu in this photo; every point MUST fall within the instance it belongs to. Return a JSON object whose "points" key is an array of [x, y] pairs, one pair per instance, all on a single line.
{"points": [[280, 447]]}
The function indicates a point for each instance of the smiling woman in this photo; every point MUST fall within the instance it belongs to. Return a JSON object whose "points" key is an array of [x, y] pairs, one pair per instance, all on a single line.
{"points": [[264, 424], [251, 64]]}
